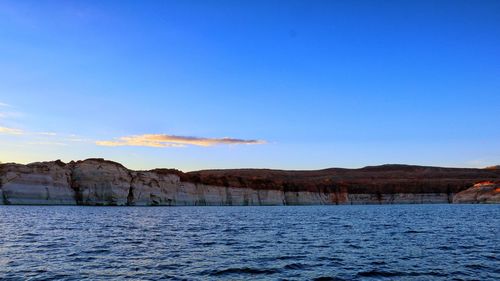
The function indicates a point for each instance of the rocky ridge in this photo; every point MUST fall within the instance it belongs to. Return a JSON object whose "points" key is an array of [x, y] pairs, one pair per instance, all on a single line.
{"points": [[102, 182]]}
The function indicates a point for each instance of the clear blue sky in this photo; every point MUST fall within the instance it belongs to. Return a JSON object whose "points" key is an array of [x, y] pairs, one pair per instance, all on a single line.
{"points": [[293, 84]]}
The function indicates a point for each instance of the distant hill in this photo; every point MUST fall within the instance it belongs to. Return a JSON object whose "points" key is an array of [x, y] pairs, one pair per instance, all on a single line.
{"points": [[390, 178]]}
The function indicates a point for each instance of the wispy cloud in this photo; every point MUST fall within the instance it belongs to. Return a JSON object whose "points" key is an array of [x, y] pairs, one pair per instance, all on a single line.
{"points": [[47, 143], [14, 131], [46, 133], [491, 160], [30, 137], [161, 140], [10, 114], [11, 131], [73, 139]]}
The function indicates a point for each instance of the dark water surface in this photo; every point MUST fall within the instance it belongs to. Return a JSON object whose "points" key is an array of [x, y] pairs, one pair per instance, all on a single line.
{"points": [[389, 242]]}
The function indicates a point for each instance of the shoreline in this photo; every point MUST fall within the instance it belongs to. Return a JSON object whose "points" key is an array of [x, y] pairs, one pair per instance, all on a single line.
{"points": [[103, 182]]}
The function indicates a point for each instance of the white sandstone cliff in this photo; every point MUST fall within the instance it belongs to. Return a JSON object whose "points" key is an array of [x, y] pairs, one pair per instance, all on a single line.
{"points": [[43, 183]]}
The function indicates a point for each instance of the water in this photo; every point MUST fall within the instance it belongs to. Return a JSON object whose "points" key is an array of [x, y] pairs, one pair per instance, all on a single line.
{"points": [[389, 242]]}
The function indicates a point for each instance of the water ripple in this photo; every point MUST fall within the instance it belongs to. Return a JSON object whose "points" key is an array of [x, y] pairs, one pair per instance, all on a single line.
{"points": [[400, 242]]}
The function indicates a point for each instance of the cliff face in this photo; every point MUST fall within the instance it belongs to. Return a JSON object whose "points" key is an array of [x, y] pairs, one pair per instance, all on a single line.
{"points": [[36, 183], [101, 182], [148, 188]]}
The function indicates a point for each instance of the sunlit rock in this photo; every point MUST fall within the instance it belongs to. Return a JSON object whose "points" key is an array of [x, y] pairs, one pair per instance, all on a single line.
{"points": [[482, 192]]}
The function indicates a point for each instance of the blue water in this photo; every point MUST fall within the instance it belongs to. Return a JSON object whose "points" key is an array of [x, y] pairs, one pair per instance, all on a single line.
{"points": [[388, 242]]}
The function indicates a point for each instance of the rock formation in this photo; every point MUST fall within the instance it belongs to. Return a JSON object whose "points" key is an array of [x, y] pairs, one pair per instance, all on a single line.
{"points": [[102, 182], [483, 192], [98, 182], [36, 183]]}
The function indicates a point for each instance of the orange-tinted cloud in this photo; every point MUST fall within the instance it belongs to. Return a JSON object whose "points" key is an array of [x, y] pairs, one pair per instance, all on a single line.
{"points": [[161, 140]]}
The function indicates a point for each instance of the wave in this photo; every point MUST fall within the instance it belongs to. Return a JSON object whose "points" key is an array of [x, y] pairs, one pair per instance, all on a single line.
{"points": [[243, 270]]}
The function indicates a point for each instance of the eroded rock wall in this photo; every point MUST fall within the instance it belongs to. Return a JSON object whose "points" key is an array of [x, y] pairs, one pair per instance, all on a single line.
{"points": [[99, 182], [152, 189], [44, 183]]}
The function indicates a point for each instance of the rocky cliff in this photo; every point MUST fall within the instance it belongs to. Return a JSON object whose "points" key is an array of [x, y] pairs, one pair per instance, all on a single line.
{"points": [[36, 183], [102, 182], [483, 192]]}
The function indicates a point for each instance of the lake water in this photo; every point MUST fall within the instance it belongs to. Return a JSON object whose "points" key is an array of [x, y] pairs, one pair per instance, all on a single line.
{"points": [[388, 242]]}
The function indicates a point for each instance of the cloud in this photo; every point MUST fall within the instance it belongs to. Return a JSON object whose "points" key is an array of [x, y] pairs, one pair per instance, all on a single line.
{"points": [[10, 131], [2, 104], [73, 139], [47, 143], [47, 133], [161, 140], [13, 131]]}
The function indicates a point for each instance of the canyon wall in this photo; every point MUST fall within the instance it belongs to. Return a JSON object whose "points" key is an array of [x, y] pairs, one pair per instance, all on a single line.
{"points": [[102, 182]]}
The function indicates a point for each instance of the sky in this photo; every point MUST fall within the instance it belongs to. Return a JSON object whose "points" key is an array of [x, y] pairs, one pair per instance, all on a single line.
{"points": [[261, 84]]}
